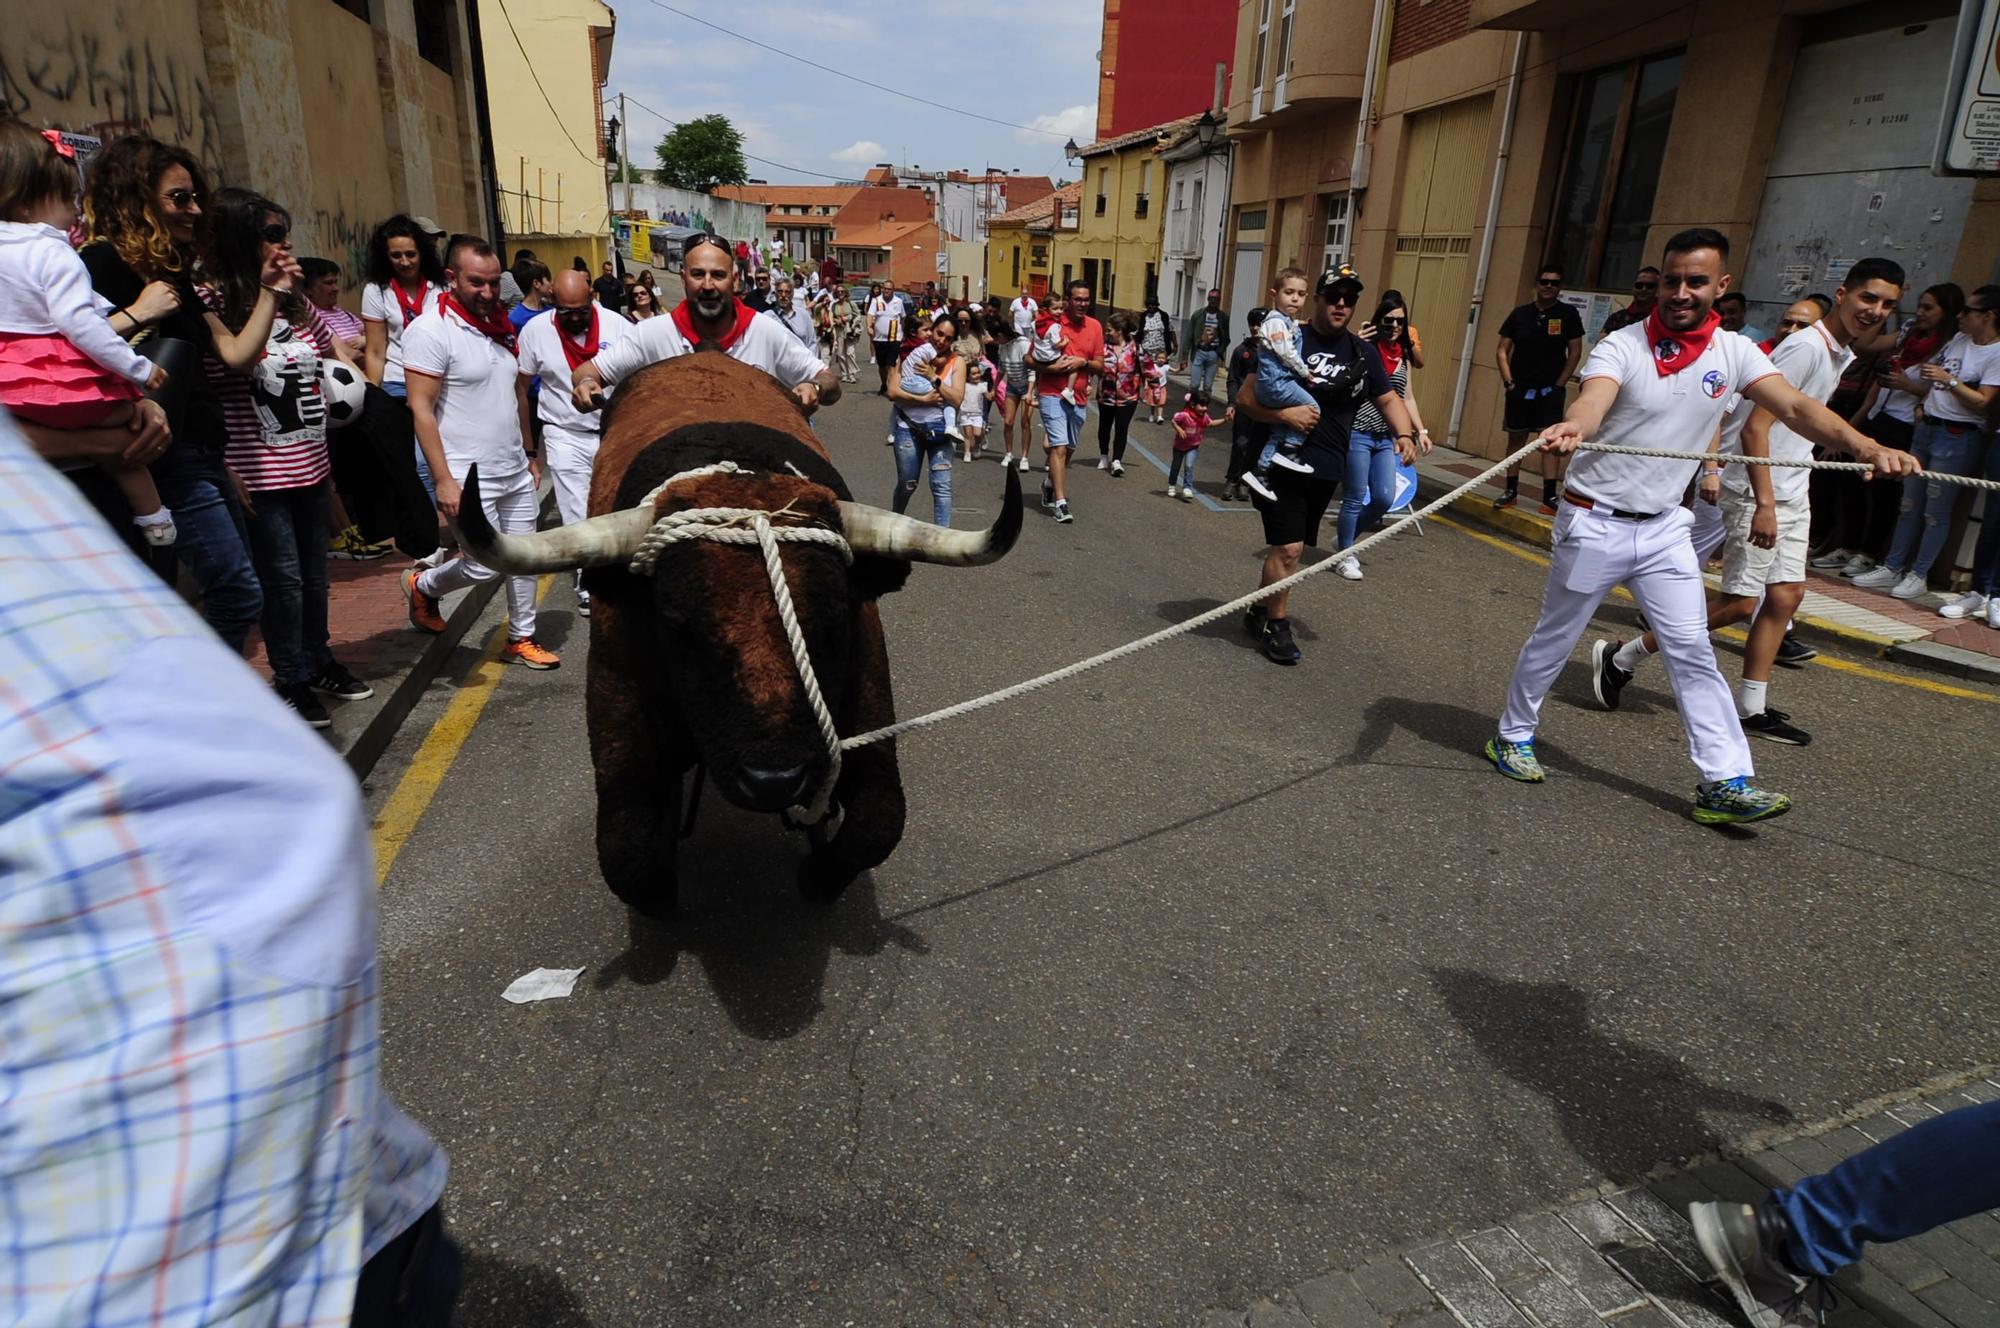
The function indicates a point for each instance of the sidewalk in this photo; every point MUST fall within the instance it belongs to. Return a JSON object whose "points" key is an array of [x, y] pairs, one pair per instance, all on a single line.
{"points": [[1908, 631], [1627, 1259]]}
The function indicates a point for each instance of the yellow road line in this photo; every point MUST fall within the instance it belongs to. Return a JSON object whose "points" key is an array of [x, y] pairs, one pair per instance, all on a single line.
{"points": [[412, 795], [1737, 634]]}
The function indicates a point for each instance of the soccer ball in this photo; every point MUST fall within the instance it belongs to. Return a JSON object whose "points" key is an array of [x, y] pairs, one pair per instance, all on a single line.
{"points": [[344, 391]]}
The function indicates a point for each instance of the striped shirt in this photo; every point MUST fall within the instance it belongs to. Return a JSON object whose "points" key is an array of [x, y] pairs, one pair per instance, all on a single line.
{"points": [[195, 1128], [1369, 419], [342, 324], [274, 416]]}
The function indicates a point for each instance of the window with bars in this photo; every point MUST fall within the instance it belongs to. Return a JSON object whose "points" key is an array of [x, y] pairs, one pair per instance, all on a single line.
{"points": [[1611, 170], [1257, 58], [1334, 208]]}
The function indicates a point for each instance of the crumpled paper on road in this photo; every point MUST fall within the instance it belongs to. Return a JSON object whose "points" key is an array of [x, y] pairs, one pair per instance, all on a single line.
{"points": [[542, 984]]}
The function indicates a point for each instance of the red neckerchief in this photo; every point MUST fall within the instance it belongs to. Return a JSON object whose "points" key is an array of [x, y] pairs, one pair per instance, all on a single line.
{"points": [[1768, 344], [576, 356], [499, 329], [411, 308], [1392, 356], [684, 320], [1917, 347], [1675, 351]]}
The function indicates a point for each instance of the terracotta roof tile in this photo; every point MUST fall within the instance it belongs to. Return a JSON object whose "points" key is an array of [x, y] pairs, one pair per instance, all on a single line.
{"points": [[1154, 134]]}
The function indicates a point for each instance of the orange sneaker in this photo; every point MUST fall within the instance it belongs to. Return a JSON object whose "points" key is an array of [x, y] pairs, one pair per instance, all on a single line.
{"points": [[531, 652], [424, 615]]}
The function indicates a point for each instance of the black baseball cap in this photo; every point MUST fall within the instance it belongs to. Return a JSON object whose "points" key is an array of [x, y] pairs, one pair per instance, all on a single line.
{"points": [[1257, 317], [1341, 278]]}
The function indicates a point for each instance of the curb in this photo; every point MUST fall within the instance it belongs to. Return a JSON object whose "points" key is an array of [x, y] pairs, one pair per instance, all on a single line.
{"points": [[1535, 531]]}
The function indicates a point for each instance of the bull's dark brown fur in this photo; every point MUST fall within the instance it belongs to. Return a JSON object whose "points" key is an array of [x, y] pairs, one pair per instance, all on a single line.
{"points": [[691, 666]]}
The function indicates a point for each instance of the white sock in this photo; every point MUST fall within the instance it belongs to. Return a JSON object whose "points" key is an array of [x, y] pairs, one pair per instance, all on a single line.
{"points": [[160, 518], [1750, 697], [1632, 654]]}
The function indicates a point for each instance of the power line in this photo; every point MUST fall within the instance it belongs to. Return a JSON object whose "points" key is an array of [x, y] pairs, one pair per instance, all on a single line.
{"points": [[852, 78], [587, 156], [775, 165]]}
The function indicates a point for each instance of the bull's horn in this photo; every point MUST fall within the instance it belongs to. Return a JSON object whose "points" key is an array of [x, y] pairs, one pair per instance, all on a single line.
{"points": [[611, 538], [872, 530]]}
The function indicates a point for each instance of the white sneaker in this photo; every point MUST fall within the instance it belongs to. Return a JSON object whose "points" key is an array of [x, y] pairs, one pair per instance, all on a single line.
{"points": [[953, 434], [1255, 483], [1104, 463], [1024, 463], [1833, 558], [1856, 565], [1118, 468], [1290, 463], [1882, 578], [1187, 494], [1971, 604], [1993, 613], [1911, 587], [1350, 567]]}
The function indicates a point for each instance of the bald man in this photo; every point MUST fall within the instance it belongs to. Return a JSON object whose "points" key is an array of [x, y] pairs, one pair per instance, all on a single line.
{"points": [[571, 333]]}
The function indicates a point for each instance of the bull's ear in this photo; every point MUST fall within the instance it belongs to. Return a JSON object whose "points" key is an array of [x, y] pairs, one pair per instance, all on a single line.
{"points": [[875, 577]]}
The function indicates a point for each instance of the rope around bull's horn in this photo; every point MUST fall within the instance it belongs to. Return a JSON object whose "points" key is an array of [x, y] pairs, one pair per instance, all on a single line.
{"points": [[1355, 550]]}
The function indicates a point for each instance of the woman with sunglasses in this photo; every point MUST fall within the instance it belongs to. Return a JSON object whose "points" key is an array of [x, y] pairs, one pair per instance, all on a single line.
{"points": [[1371, 448], [645, 303], [144, 215]]}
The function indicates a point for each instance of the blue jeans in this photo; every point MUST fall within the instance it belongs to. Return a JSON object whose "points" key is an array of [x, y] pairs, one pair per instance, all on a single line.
{"points": [[216, 549], [910, 457], [1986, 557], [1371, 482], [1181, 469], [1927, 503], [1061, 422], [1937, 1172], [1201, 368], [1277, 389], [288, 532]]}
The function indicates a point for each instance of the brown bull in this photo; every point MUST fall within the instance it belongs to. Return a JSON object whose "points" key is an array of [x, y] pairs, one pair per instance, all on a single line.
{"points": [[690, 665]]}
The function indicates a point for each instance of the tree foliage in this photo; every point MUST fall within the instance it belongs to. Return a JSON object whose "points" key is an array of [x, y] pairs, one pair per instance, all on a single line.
{"points": [[702, 154]]}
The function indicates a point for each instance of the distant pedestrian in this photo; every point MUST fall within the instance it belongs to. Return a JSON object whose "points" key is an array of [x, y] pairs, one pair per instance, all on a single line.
{"points": [[1063, 390], [1190, 426], [794, 319], [1118, 402], [1017, 401], [1645, 296], [850, 334], [1156, 331], [538, 292], [1204, 340], [886, 315], [610, 290], [322, 291], [1540, 344], [1246, 434], [1370, 484], [1021, 313]]}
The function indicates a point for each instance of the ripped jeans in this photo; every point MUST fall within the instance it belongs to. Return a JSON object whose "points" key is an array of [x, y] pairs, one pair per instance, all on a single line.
{"points": [[1925, 521], [910, 456]]}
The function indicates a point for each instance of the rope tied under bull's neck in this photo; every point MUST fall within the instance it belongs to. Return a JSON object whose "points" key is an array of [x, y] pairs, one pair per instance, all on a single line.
{"points": [[754, 525]]}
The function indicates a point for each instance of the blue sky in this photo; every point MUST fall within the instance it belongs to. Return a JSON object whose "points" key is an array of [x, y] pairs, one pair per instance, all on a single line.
{"points": [[1030, 62]]}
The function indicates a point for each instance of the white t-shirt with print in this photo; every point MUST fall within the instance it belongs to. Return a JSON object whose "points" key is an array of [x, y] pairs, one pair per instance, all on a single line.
{"points": [[1970, 363], [1813, 364], [883, 316], [765, 344], [1023, 311], [478, 415], [380, 305], [1677, 412], [542, 356]]}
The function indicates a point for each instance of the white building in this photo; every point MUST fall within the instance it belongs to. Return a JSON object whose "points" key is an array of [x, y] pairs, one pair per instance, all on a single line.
{"points": [[1197, 196]]}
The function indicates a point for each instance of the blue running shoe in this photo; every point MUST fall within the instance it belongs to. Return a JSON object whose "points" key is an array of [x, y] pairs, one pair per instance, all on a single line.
{"points": [[1737, 801], [1516, 760]]}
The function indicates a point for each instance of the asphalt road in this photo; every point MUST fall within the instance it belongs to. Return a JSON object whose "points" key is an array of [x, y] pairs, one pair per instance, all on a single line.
{"points": [[1191, 978]]}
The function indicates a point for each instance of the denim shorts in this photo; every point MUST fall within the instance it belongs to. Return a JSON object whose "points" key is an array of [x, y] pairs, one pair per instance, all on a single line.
{"points": [[1061, 421]]}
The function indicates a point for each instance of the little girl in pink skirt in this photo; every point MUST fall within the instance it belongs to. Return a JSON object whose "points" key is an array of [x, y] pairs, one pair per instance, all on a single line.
{"points": [[61, 365]]}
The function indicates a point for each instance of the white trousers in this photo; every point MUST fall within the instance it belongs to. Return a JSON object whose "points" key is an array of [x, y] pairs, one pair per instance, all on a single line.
{"points": [[1708, 531], [511, 505], [569, 457], [1594, 552]]}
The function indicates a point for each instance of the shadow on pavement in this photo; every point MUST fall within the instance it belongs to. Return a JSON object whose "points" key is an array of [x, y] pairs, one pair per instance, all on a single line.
{"points": [[498, 1293], [1621, 1105], [763, 947]]}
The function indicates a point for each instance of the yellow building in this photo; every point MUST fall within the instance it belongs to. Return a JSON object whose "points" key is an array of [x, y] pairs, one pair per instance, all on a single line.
{"points": [[1029, 248], [1118, 241], [547, 116]]}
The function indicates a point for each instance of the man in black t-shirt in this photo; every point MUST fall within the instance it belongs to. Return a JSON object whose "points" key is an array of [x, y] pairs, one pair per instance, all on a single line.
{"points": [[1345, 372], [610, 290], [1540, 344], [1246, 436]]}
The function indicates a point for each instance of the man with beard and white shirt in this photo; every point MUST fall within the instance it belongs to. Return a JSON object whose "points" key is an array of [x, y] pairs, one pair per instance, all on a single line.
{"points": [[792, 313], [471, 408], [1662, 382], [711, 313], [576, 329]]}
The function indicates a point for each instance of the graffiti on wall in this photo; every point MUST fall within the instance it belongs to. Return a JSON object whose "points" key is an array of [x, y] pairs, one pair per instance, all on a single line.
{"points": [[691, 219], [339, 233], [66, 71]]}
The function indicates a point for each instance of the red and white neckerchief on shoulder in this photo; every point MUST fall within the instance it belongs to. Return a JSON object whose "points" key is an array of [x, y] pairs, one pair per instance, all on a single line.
{"points": [[1675, 351], [743, 317], [498, 329], [411, 308], [576, 355]]}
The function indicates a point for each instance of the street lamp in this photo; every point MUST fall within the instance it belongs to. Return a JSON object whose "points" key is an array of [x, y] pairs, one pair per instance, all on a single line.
{"points": [[1207, 129], [1072, 153]]}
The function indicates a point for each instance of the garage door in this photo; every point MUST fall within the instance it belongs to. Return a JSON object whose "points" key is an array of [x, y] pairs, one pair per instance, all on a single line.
{"points": [[1442, 184]]}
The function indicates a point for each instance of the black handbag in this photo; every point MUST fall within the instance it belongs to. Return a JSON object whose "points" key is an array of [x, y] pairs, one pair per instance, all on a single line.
{"points": [[182, 361]]}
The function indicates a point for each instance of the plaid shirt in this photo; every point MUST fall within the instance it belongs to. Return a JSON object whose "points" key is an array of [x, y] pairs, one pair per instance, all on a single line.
{"points": [[191, 1126]]}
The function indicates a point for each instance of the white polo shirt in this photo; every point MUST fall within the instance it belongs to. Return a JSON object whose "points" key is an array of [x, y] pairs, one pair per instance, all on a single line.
{"points": [[884, 314], [765, 344], [1023, 311], [1677, 412], [380, 305], [1813, 364], [477, 412], [542, 356]]}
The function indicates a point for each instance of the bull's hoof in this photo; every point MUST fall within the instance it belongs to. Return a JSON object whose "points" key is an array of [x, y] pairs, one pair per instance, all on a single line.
{"points": [[822, 881]]}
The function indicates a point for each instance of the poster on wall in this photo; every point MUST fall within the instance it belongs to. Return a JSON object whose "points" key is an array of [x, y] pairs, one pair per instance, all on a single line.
{"points": [[1969, 130], [1593, 307]]}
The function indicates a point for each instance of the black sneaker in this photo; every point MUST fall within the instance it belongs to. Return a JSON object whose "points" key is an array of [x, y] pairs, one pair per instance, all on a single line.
{"points": [[1607, 680], [1776, 726], [300, 698], [1048, 492], [1253, 620], [335, 680], [1278, 645], [1793, 653]]}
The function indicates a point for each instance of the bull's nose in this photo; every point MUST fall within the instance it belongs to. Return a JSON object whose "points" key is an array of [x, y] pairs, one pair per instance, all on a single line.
{"points": [[772, 790]]}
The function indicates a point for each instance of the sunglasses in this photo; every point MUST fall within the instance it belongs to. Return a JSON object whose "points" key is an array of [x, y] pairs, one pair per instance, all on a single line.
{"points": [[1341, 298], [1977, 309], [1548, 281], [181, 198], [1394, 322], [1645, 285], [274, 233]]}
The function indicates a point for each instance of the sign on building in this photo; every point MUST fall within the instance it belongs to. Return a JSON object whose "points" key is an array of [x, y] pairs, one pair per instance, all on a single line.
{"points": [[1969, 130]]}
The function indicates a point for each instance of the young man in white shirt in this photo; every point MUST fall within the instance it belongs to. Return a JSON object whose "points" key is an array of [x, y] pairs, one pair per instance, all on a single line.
{"points": [[1022, 312], [886, 315], [576, 330], [711, 313], [1660, 382], [471, 408], [1765, 510]]}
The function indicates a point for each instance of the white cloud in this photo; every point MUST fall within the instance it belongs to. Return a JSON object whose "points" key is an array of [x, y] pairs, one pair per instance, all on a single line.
{"points": [[1077, 122], [867, 150]]}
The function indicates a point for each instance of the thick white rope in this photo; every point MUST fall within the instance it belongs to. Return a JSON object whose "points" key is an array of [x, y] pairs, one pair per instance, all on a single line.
{"points": [[1970, 481], [752, 525]]}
